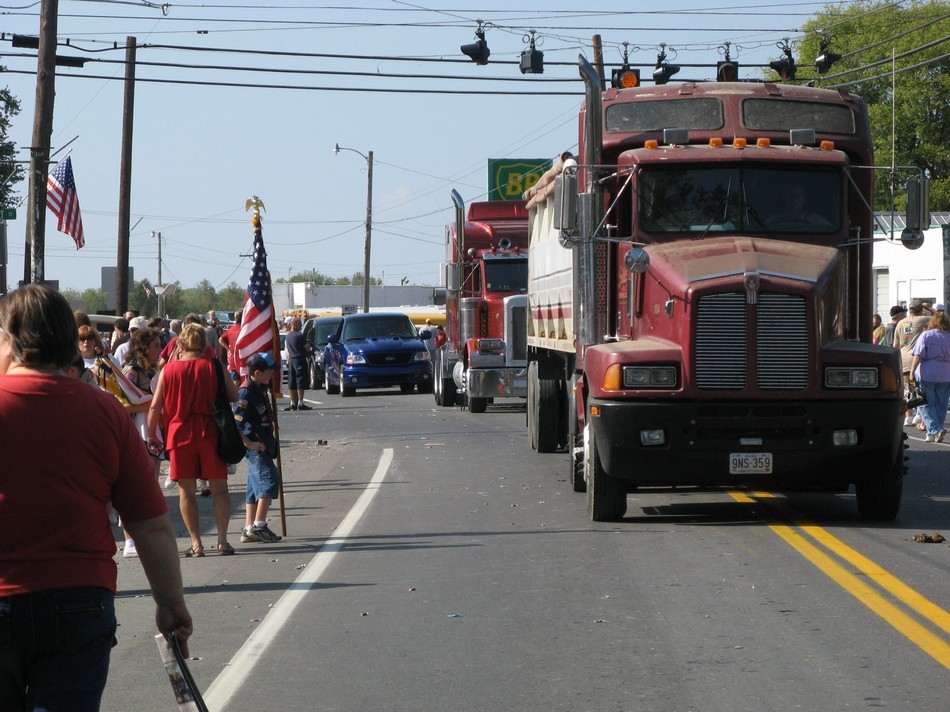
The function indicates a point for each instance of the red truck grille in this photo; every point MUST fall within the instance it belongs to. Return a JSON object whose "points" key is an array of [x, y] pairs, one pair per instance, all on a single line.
{"points": [[723, 324]]}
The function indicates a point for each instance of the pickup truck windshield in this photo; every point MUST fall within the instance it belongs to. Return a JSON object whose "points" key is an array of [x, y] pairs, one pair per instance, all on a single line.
{"points": [[745, 200], [381, 326]]}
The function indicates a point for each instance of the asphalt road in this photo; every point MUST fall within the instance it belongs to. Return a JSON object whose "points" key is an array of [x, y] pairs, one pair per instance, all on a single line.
{"points": [[433, 562]]}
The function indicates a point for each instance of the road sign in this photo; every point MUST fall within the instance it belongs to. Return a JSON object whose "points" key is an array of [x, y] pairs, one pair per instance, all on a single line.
{"points": [[509, 178], [8, 213]]}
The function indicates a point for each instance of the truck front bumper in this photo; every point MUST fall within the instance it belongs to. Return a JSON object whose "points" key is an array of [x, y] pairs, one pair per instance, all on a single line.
{"points": [[809, 442], [497, 382]]}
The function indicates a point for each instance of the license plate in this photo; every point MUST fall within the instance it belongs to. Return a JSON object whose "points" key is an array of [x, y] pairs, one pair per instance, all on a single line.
{"points": [[750, 463]]}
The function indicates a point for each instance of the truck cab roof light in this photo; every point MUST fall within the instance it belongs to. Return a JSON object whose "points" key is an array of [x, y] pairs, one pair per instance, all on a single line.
{"points": [[715, 142], [763, 142], [651, 143], [827, 145], [739, 142]]}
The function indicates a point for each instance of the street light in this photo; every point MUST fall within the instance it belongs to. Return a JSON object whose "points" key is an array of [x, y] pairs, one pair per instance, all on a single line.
{"points": [[369, 218]]}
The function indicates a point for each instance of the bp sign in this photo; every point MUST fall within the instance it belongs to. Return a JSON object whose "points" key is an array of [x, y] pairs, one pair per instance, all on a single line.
{"points": [[509, 178]]}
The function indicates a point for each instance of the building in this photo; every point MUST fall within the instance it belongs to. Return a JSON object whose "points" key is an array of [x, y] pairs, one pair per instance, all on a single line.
{"points": [[900, 274]]}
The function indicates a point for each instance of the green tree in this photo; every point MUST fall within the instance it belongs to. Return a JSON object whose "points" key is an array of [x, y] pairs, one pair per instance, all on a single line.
{"points": [[231, 298], [10, 173], [94, 301], [358, 279], [867, 35]]}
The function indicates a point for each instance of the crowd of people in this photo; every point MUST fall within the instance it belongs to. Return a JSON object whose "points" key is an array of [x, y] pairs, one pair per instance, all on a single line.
{"points": [[141, 396], [922, 334]]}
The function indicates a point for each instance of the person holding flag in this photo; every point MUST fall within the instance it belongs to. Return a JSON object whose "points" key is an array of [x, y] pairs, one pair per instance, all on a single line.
{"points": [[258, 328]]}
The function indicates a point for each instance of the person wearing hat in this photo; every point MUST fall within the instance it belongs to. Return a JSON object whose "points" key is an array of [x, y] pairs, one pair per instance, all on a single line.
{"points": [[906, 333], [897, 313], [254, 419], [120, 354]]}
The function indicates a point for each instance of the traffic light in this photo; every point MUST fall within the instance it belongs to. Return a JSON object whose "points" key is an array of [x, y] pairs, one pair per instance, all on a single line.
{"points": [[532, 60], [824, 60], [625, 78], [727, 71], [663, 72], [478, 51], [785, 67]]}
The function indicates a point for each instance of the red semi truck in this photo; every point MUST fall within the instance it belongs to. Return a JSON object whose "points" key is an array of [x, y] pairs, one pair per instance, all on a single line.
{"points": [[700, 296], [486, 277]]}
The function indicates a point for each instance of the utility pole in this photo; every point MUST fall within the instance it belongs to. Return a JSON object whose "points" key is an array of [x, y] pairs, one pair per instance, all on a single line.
{"points": [[34, 269], [159, 293], [369, 219], [125, 183]]}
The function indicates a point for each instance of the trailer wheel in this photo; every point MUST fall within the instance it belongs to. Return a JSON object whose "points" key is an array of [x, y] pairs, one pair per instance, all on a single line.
{"points": [[549, 408], [477, 405], [332, 388], [606, 495], [446, 386], [575, 456], [532, 404], [879, 496]]}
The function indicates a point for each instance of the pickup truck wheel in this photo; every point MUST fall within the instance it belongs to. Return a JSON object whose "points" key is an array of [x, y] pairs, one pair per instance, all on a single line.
{"points": [[332, 388], [425, 387], [879, 495], [549, 404], [346, 391], [606, 496], [477, 405]]}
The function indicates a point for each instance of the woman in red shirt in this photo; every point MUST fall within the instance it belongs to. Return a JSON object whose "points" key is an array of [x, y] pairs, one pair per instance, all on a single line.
{"points": [[182, 403]]}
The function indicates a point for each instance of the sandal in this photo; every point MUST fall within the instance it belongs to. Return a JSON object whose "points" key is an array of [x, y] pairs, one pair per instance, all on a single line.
{"points": [[922, 427], [225, 549], [194, 551]]}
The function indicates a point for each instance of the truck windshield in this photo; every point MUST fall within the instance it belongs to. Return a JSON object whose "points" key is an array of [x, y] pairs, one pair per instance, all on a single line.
{"points": [[747, 200], [506, 275]]}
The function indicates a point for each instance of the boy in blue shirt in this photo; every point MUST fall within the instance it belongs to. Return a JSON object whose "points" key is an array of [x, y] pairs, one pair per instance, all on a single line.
{"points": [[252, 414]]}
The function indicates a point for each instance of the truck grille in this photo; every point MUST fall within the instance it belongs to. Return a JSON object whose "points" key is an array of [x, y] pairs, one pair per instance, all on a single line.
{"points": [[722, 330], [519, 335], [389, 359]]}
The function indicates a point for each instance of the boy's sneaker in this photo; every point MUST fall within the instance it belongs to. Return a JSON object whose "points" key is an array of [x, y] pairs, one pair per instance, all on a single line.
{"points": [[265, 534], [249, 536], [130, 552], [938, 438], [909, 420], [917, 418]]}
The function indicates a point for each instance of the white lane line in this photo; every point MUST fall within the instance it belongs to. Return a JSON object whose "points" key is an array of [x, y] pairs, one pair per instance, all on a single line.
{"points": [[238, 672]]}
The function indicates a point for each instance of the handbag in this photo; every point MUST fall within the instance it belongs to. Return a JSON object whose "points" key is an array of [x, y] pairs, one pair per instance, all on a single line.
{"points": [[230, 444], [914, 398]]}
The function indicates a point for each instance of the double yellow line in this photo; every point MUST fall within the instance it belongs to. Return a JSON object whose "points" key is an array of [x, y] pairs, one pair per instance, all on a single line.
{"points": [[808, 539]]}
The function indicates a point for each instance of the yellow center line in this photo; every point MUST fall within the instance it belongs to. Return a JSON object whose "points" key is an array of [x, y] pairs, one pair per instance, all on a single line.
{"points": [[924, 638]]}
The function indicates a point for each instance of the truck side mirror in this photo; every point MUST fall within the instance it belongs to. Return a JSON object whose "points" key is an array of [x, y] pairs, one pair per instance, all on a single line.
{"points": [[565, 202], [917, 218], [451, 279]]}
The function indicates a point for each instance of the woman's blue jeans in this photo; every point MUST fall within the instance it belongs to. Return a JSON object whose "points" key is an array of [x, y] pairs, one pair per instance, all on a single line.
{"points": [[54, 649], [935, 412]]}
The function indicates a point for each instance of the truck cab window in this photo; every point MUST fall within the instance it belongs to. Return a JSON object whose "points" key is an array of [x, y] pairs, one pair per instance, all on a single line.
{"points": [[506, 276]]}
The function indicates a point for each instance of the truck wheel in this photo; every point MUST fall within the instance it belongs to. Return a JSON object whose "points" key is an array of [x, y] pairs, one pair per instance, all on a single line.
{"points": [[345, 390], [606, 496], [576, 460], [425, 387], [407, 387], [448, 392], [444, 387], [332, 388], [548, 415], [532, 404], [437, 389], [879, 496], [477, 405]]}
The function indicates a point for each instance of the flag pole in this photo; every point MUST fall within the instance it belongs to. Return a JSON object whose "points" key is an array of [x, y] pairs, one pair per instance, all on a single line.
{"points": [[256, 203]]}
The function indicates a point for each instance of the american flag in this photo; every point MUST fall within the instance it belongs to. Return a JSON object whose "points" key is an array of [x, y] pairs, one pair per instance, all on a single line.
{"points": [[62, 199], [257, 320], [148, 291]]}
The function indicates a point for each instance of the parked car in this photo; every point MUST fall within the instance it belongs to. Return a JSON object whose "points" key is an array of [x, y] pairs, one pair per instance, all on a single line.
{"points": [[317, 331], [377, 351]]}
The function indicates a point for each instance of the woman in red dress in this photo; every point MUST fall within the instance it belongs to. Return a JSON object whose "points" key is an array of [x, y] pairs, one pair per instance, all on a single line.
{"points": [[182, 403]]}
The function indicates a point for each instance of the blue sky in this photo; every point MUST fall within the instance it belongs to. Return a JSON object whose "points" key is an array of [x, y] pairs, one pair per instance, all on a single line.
{"points": [[200, 151]]}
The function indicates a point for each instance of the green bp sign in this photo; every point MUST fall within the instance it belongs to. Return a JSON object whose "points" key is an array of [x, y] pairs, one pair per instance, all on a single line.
{"points": [[509, 178]]}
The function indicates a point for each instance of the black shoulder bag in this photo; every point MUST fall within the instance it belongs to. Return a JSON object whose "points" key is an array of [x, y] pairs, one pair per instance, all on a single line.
{"points": [[230, 444]]}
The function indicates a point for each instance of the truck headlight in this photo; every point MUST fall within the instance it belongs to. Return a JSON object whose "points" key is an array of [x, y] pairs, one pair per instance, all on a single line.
{"points": [[355, 359], [421, 356], [649, 377], [490, 345], [857, 377]]}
